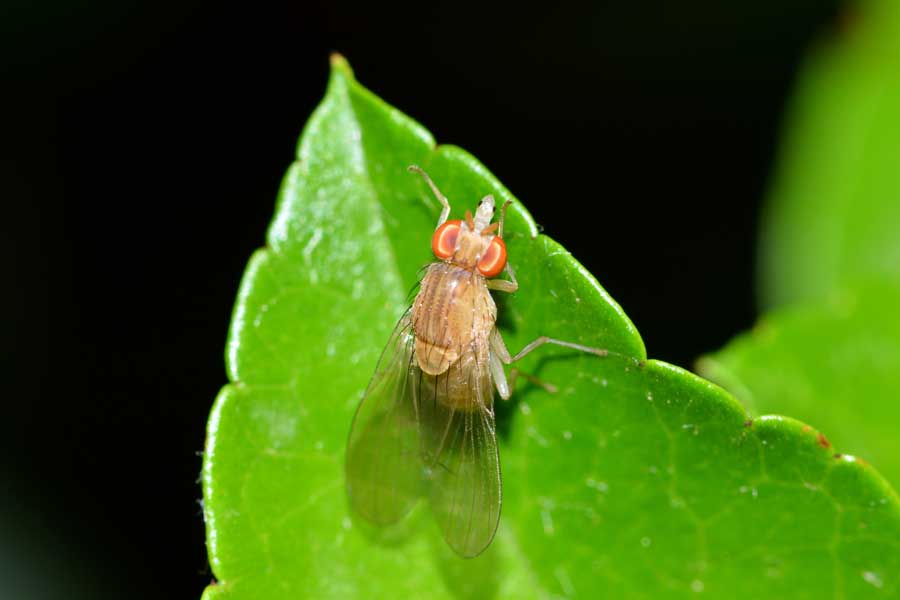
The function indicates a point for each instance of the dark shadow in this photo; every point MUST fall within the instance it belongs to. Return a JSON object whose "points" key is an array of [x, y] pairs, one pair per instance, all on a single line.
{"points": [[390, 536], [466, 578], [504, 321]]}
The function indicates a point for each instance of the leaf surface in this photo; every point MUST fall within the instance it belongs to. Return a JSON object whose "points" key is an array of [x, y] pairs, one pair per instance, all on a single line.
{"points": [[636, 479], [835, 366], [829, 350]]}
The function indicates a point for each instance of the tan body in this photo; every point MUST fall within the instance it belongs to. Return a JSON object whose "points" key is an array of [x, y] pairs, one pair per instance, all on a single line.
{"points": [[453, 317]]}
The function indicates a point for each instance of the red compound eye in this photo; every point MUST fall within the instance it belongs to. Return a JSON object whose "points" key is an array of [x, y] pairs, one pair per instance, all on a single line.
{"points": [[443, 244], [494, 258]]}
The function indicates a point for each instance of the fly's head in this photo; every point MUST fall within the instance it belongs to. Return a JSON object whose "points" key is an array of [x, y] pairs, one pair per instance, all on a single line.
{"points": [[472, 243]]}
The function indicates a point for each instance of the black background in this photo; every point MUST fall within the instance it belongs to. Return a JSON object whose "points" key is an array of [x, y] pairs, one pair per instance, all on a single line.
{"points": [[142, 147]]}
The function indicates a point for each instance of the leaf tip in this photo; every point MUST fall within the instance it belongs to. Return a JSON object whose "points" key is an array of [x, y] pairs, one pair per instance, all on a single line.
{"points": [[339, 63]]}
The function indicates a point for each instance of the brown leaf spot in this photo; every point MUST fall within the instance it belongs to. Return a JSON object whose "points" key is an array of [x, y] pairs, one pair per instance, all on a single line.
{"points": [[823, 441], [748, 423]]}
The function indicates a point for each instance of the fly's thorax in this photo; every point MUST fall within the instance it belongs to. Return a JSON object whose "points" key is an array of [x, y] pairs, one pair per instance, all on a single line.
{"points": [[452, 317]]}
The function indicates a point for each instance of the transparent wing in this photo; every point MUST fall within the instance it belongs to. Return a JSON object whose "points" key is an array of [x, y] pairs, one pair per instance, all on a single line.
{"points": [[383, 467], [459, 450]]}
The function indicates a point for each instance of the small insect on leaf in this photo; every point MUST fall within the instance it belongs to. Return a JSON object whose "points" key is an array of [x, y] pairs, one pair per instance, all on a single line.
{"points": [[425, 426]]}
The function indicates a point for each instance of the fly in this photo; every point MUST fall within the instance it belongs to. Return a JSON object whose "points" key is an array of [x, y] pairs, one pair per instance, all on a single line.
{"points": [[425, 426]]}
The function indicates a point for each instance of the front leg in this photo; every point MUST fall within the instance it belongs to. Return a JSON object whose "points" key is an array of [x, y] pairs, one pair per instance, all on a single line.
{"points": [[445, 211], [502, 285]]}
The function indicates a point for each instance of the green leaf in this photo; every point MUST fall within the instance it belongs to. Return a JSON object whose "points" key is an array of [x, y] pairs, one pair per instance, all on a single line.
{"points": [[836, 366], [829, 353], [834, 207], [636, 479]]}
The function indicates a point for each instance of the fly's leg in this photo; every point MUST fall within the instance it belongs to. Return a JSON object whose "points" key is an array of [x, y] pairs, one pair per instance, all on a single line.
{"points": [[515, 373], [445, 211], [500, 356], [503, 285], [548, 340], [505, 387], [498, 374], [503, 217]]}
